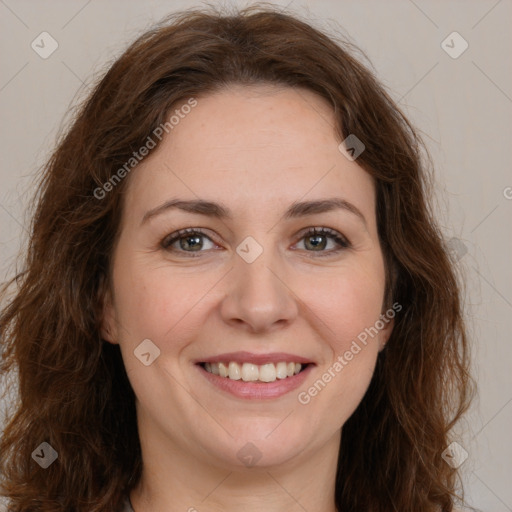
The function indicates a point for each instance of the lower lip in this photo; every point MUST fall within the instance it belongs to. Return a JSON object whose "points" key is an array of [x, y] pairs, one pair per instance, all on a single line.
{"points": [[257, 390]]}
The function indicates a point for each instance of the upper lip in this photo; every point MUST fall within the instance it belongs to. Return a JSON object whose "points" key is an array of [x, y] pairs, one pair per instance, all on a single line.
{"points": [[257, 359]]}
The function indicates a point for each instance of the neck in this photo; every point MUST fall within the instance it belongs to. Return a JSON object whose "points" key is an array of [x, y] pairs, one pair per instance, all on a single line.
{"points": [[172, 476]]}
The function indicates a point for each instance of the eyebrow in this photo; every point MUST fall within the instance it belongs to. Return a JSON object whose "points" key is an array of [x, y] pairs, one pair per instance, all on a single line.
{"points": [[220, 211]]}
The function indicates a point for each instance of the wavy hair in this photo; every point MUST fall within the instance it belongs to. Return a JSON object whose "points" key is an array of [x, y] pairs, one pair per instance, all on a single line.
{"points": [[73, 389]]}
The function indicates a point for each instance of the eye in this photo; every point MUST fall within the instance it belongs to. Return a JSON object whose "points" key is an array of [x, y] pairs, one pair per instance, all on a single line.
{"points": [[316, 240], [190, 238]]}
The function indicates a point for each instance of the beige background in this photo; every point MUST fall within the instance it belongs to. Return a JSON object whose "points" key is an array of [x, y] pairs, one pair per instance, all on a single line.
{"points": [[463, 106]]}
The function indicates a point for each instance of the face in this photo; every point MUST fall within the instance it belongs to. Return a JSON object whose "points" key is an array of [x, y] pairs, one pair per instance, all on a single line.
{"points": [[265, 276]]}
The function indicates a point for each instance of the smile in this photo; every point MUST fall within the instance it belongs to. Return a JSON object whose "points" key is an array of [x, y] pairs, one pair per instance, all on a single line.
{"points": [[249, 372], [255, 376]]}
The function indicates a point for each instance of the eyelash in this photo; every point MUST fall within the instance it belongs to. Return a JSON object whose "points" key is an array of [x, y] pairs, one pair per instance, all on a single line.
{"points": [[330, 233]]}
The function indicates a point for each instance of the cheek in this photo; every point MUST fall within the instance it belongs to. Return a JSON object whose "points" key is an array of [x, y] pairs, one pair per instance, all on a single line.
{"points": [[349, 301], [347, 305], [156, 302], [350, 305]]}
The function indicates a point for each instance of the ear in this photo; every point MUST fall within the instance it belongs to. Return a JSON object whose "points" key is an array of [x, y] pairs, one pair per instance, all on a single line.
{"points": [[108, 327], [385, 332]]}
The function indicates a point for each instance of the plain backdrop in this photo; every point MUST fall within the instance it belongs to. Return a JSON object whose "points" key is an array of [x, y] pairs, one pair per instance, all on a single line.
{"points": [[462, 104]]}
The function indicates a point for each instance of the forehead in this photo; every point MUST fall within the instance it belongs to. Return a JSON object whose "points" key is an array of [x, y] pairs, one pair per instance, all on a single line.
{"points": [[259, 146]]}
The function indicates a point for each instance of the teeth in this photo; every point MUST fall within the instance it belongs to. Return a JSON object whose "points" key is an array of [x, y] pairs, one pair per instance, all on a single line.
{"points": [[234, 371], [223, 369], [249, 372], [268, 372], [281, 370]]}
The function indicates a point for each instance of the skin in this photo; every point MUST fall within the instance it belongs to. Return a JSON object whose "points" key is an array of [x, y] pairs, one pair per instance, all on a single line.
{"points": [[257, 150]]}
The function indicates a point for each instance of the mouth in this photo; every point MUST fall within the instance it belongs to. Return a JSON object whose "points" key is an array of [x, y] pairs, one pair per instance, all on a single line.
{"points": [[249, 372], [255, 376]]}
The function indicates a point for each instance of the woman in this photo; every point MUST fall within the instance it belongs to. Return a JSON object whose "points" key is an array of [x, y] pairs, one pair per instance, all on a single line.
{"points": [[235, 294]]}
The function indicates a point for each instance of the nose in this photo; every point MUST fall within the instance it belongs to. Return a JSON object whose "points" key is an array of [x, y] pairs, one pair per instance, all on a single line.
{"points": [[259, 297]]}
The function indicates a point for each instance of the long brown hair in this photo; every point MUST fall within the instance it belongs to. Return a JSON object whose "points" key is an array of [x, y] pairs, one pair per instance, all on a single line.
{"points": [[73, 390]]}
